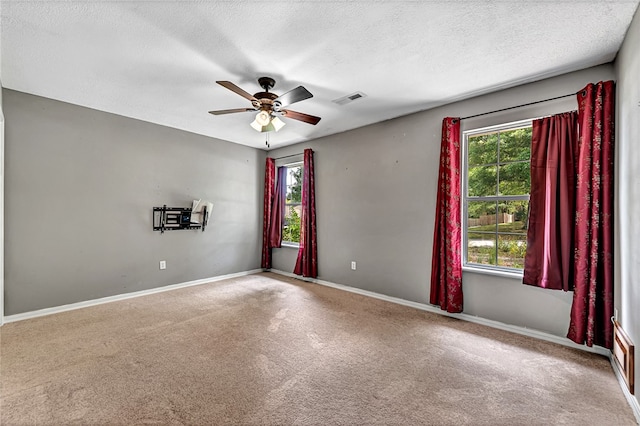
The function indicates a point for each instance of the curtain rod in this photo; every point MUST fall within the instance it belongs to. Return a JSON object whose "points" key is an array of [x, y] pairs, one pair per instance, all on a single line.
{"points": [[479, 115], [287, 156], [519, 106]]}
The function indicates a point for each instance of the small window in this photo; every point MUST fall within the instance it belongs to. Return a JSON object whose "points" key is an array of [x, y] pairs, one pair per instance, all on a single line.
{"points": [[293, 205], [495, 192]]}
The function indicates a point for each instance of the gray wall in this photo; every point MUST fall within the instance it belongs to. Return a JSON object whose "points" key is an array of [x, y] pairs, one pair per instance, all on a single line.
{"points": [[80, 186], [627, 258], [376, 192]]}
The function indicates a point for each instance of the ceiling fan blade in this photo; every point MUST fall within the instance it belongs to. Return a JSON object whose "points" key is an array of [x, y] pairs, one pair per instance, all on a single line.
{"points": [[230, 111], [229, 85], [311, 119], [295, 95]]}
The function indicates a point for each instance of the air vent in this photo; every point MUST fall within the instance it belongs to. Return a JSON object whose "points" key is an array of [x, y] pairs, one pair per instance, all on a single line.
{"points": [[349, 98], [623, 354]]}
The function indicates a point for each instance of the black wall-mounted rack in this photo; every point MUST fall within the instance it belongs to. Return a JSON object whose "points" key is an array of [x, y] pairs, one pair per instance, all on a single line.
{"points": [[177, 218]]}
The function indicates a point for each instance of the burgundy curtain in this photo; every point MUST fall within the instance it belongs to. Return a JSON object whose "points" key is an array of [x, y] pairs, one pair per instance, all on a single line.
{"points": [[269, 180], [592, 305], [277, 211], [548, 262], [446, 268], [307, 262]]}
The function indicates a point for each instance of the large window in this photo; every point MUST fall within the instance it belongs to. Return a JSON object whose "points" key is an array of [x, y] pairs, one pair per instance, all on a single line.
{"points": [[293, 204], [496, 196]]}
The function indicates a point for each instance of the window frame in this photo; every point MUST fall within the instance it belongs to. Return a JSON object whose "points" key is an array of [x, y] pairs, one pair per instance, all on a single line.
{"points": [[293, 164], [465, 198]]}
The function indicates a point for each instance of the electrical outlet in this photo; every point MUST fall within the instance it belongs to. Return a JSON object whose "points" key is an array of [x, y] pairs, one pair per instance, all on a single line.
{"points": [[163, 264], [353, 265]]}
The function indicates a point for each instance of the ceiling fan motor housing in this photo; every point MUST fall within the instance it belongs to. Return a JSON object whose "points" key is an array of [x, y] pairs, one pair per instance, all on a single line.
{"points": [[265, 95], [266, 98], [265, 101]]}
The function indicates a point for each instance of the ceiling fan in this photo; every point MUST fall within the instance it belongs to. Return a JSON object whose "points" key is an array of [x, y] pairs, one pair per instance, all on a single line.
{"points": [[269, 105]]}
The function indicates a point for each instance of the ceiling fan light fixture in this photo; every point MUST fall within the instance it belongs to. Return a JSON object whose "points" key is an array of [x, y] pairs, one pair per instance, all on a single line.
{"points": [[268, 128], [263, 129], [263, 118], [277, 123], [256, 126]]}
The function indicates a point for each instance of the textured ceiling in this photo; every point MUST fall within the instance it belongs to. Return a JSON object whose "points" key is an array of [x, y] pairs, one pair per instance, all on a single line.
{"points": [[158, 60]]}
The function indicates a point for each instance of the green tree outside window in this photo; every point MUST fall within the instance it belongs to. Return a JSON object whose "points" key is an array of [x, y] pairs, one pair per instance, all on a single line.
{"points": [[293, 205]]}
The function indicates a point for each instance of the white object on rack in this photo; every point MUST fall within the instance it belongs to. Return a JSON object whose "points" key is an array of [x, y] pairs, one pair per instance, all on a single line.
{"points": [[197, 210]]}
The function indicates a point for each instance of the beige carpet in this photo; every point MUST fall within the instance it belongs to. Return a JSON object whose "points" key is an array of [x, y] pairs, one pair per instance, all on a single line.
{"points": [[263, 349]]}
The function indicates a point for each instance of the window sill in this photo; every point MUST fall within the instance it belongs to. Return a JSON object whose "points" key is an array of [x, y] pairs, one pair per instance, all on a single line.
{"points": [[290, 245], [494, 272]]}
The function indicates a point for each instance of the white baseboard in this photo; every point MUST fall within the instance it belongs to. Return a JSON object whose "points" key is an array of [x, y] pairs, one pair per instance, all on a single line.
{"points": [[109, 299], [632, 400], [466, 317]]}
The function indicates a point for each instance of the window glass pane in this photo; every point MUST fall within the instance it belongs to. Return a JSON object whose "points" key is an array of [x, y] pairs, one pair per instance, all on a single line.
{"points": [[515, 145], [481, 248], [291, 228], [498, 167], [294, 184], [481, 216], [482, 181], [515, 179], [511, 250], [513, 217], [483, 149]]}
